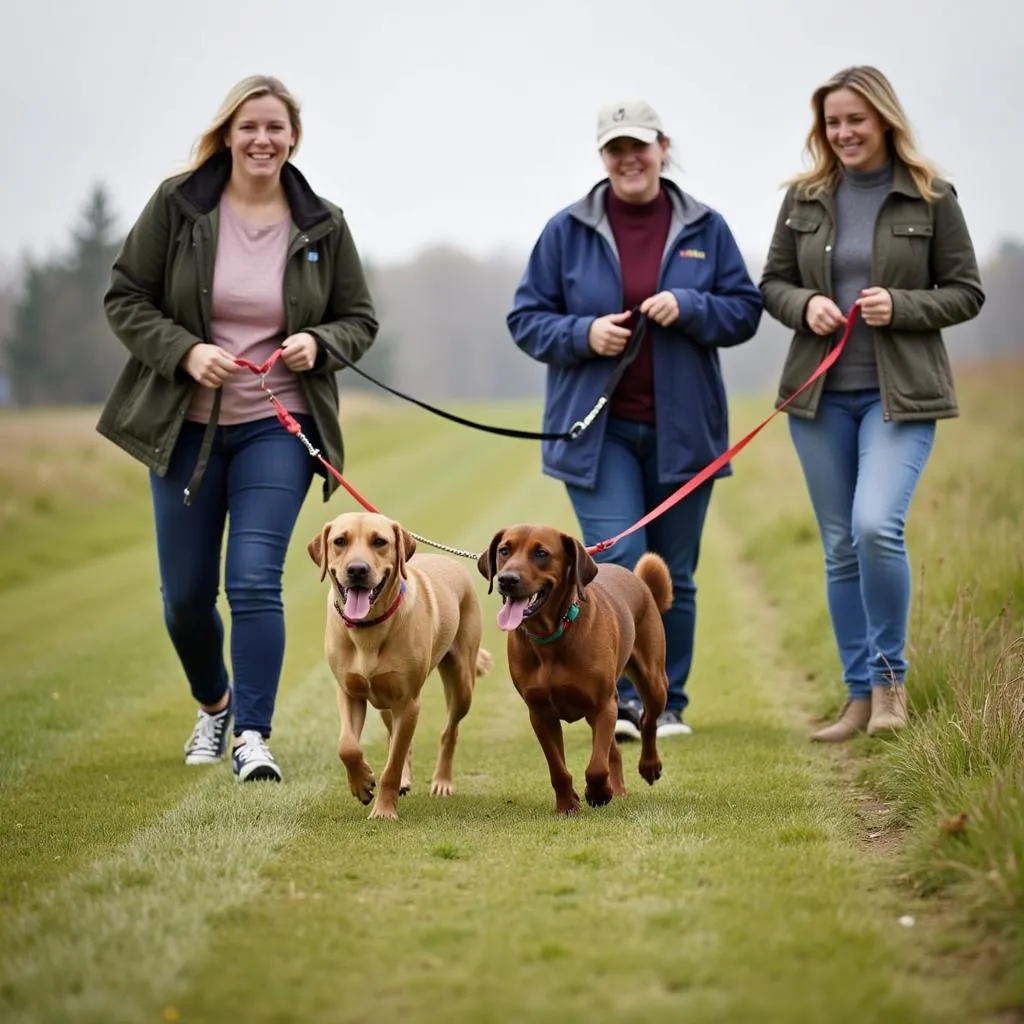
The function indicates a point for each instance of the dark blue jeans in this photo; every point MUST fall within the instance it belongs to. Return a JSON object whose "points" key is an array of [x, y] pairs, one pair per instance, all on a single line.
{"points": [[255, 482], [861, 472], [627, 489]]}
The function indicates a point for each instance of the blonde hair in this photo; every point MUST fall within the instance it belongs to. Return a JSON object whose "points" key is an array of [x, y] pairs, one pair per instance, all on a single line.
{"points": [[212, 140], [826, 171]]}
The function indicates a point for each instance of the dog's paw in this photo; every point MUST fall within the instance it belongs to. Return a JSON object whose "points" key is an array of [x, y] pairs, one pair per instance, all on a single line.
{"points": [[405, 787], [567, 806], [598, 793], [384, 811], [362, 783], [441, 787], [650, 770]]}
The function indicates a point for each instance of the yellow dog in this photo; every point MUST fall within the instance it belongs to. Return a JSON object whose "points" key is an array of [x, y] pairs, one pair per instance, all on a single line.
{"points": [[391, 620]]}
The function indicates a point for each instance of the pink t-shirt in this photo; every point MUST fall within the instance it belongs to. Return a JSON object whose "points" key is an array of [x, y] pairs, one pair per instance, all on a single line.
{"points": [[248, 319]]}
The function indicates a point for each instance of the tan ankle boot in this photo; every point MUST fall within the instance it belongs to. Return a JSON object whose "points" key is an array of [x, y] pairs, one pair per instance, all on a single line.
{"points": [[888, 709], [852, 720]]}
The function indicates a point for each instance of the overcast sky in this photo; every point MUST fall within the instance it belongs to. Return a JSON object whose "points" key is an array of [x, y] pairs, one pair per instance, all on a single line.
{"points": [[435, 121]]}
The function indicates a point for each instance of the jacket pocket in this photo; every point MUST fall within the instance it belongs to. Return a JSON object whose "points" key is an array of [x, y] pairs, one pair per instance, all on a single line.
{"points": [[151, 407], [908, 255], [916, 369], [802, 225], [806, 351], [922, 230], [810, 235]]}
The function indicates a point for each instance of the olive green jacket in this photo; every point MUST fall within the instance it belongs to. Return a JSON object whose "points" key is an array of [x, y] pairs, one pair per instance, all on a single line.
{"points": [[922, 255], [158, 305]]}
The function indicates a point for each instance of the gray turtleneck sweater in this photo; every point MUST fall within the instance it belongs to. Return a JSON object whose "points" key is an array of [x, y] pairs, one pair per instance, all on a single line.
{"points": [[858, 200]]}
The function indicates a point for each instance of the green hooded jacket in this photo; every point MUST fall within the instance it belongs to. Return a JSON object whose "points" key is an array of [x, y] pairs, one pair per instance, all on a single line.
{"points": [[158, 305]]}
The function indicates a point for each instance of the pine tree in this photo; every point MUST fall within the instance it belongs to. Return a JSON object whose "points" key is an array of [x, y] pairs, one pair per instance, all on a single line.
{"points": [[60, 349]]}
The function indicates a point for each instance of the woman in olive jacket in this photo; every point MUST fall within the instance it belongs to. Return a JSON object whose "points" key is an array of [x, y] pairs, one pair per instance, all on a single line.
{"points": [[870, 224], [233, 259]]}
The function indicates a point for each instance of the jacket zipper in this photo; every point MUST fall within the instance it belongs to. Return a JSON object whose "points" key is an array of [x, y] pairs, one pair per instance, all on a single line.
{"points": [[826, 276], [874, 343], [199, 241]]}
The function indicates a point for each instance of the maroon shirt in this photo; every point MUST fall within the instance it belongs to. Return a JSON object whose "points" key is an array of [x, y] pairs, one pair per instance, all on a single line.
{"points": [[640, 230]]}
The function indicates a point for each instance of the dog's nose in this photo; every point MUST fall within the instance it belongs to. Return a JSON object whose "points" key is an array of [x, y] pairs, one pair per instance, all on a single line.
{"points": [[357, 573], [508, 581]]}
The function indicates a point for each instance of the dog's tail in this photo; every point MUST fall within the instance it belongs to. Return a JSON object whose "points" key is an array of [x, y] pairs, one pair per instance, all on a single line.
{"points": [[484, 662], [653, 570]]}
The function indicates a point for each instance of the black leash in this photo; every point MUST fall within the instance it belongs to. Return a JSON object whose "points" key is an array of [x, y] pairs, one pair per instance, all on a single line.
{"points": [[627, 356]]}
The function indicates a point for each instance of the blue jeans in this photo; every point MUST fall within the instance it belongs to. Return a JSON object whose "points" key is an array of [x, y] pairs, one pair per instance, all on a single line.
{"points": [[861, 472], [256, 481], [627, 489]]}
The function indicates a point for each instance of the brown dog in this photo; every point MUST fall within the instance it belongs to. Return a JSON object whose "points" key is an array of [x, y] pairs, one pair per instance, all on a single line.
{"points": [[390, 622], [573, 628]]}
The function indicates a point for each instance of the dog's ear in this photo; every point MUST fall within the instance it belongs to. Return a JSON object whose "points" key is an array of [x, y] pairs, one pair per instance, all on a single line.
{"points": [[405, 548], [487, 563], [317, 550], [581, 567]]}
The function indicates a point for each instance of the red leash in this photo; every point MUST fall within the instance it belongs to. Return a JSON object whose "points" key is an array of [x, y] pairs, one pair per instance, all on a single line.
{"points": [[292, 425], [713, 467]]}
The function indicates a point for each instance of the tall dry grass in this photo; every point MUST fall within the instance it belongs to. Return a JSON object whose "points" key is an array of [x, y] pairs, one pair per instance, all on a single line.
{"points": [[955, 779]]}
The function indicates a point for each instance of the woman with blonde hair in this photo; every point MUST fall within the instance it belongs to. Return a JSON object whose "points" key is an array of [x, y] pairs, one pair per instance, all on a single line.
{"points": [[232, 259], [869, 225]]}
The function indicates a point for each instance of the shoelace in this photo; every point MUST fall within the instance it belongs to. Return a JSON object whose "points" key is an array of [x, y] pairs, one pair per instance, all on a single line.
{"points": [[253, 749], [206, 736]]}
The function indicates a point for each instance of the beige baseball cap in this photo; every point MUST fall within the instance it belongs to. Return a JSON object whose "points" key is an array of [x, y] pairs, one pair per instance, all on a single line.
{"points": [[633, 119]]}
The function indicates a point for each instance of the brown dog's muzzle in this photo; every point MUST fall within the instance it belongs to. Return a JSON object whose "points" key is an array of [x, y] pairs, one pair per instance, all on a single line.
{"points": [[509, 583]]}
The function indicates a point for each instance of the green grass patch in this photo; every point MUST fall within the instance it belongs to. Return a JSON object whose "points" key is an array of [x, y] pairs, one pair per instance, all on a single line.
{"points": [[737, 888]]}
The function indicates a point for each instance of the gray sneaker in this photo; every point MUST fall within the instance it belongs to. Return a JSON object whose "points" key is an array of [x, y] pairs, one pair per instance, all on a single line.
{"points": [[670, 723], [209, 740]]}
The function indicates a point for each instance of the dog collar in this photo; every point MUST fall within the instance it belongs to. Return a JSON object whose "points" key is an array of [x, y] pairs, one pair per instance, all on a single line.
{"points": [[357, 623], [571, 614]]}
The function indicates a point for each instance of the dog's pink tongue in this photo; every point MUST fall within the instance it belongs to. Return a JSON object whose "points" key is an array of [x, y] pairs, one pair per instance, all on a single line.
{"points": [[357, 602], [511, 613]]}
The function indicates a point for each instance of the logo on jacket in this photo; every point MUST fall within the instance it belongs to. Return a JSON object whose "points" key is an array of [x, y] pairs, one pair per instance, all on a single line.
{"points": [[312, 256], [693, 254]]}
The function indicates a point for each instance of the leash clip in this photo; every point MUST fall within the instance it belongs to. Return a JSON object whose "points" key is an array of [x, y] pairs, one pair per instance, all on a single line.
{"points": [[580, 425]]}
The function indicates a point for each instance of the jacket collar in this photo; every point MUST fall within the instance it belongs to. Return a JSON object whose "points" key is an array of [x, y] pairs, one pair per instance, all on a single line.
{"points": [[590, 209], [199, 191], [902, 181]]}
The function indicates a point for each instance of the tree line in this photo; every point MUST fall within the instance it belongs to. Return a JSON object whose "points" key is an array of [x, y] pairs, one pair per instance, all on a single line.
{"points": [[442, 314]]}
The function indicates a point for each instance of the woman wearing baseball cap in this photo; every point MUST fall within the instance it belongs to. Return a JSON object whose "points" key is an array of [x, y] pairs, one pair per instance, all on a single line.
{"points": [[637, 240]]}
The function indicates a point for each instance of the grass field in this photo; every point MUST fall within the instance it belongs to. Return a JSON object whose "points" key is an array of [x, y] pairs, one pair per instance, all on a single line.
{"points": [[761, 879]]}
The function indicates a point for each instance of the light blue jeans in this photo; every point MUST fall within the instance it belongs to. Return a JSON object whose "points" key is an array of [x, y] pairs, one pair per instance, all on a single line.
{"points": [[861, 472]]}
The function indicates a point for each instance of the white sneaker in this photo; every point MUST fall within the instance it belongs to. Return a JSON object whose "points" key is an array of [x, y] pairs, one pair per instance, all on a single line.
{"points": [[209, 740], [252, 759]]}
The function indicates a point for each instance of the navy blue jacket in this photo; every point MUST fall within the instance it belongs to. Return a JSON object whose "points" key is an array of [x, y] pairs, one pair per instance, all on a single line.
{"points": [[573, 277]]}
